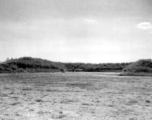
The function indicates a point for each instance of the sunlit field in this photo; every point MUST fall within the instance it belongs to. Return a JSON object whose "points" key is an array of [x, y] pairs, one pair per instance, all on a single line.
{"points": [[75, 96]]}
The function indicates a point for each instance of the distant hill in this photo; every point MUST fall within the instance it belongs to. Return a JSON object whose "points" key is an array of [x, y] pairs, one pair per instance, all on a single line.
{"points": [[29, 64], [141, 67]]}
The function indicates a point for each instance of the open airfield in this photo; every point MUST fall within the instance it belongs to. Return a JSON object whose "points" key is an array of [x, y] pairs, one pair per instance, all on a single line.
{"points": [[75, 96]]}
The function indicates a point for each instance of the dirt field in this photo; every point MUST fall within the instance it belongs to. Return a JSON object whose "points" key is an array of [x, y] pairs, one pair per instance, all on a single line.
{"points": [[75, 96]]}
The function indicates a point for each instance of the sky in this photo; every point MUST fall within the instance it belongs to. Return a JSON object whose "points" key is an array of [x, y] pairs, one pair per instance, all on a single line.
{"points": [[89, 31]]}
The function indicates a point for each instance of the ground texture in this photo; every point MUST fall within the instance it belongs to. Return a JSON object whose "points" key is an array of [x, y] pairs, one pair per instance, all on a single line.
{"points": [[75, 96]]}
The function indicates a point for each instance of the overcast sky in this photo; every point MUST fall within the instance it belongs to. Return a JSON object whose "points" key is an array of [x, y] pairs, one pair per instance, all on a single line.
{"points": [[94, 31]]}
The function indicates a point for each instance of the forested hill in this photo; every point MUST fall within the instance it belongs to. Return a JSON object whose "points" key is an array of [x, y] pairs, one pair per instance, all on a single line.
{"points": [[29, 64], [139, 68]]}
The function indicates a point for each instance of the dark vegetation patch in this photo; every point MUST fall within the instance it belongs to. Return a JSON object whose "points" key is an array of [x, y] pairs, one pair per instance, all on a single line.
{"points": [[87, 104], [53, 90], [68, 101], [148, 101], [16, 103], [39, 100]]}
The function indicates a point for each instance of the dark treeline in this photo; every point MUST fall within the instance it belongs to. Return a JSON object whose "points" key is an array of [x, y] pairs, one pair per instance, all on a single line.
{"points": [[28, 64], [104, 67]]}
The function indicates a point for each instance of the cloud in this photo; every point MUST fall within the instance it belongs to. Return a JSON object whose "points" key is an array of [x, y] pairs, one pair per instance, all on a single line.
{"points": [[145, 26]]}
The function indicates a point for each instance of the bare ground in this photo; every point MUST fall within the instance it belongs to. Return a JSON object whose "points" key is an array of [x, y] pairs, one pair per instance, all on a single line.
{"points": [[75, 96]]}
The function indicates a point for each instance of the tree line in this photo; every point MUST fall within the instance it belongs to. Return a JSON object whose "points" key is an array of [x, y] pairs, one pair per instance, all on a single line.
{"points": [[29, 64]]}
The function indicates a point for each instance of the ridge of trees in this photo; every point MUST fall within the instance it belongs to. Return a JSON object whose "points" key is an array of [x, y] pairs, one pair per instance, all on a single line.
{"points": [[29, 64]]}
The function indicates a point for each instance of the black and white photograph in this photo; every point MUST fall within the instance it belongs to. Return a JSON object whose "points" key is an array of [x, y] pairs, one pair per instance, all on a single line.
{"points": [[75, 59]]}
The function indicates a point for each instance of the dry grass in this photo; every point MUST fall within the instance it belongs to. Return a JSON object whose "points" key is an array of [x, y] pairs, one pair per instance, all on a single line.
{"points": [[75, 96]]}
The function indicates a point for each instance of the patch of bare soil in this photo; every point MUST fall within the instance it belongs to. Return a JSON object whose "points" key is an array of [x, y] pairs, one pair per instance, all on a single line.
{"points": [[74, 96]]}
